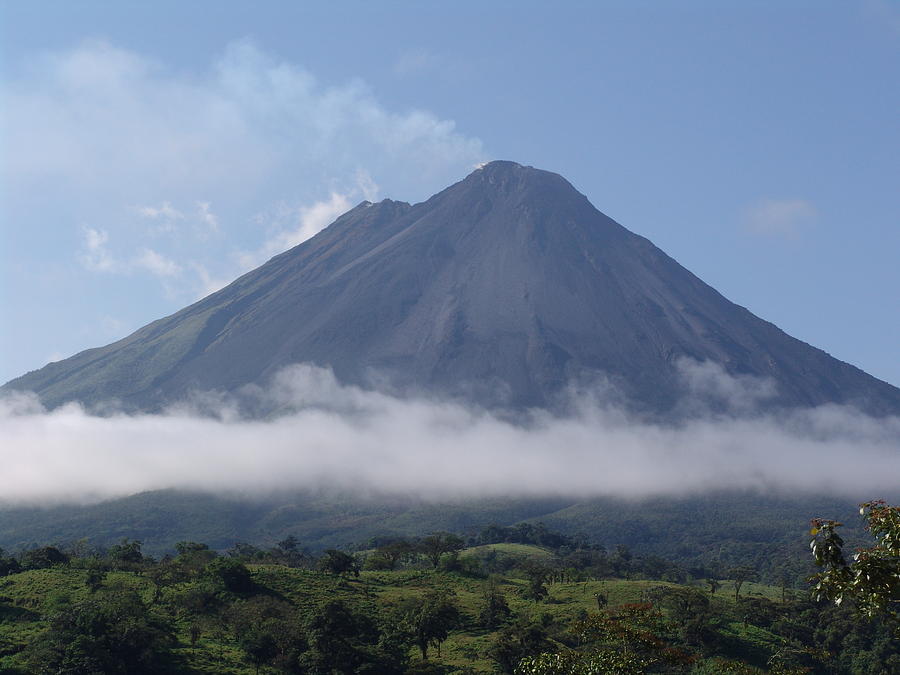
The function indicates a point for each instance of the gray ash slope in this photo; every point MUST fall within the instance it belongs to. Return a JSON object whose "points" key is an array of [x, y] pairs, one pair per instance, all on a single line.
{"points": [[502, 289]]}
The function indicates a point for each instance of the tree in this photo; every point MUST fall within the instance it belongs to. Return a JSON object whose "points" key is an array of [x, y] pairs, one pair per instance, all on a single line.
{"points": [[739, 575], [163, 574], [192, 556], [345, 639], [431, 618], [126, 553], [94, 579], [200, 598], [494, 608], [682, 604], [231, 574], [339, 563], [625, 641], [289, 544], [537, 575], [516, 642], [44, 557], [268, 631], [600, 662], [108, 632], [246, 552], [437, 544], [288, 551], [8, 565], [872, 580], [387, 556], [259, 645]]}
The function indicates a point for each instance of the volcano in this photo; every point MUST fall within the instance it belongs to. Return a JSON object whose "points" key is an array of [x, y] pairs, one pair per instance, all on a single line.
{"points": [[502, 289]]}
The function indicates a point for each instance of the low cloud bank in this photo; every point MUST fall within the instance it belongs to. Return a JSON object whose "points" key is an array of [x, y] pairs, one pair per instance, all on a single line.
{"points": [[347, 437]]}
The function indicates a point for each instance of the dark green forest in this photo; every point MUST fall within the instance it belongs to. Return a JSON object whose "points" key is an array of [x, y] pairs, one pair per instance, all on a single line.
{"points": [[764, 530], [521, 599]]}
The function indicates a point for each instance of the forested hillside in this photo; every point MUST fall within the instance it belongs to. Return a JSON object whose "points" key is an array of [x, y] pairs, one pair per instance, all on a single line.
{"points": [[522, 599], [714, 530]]}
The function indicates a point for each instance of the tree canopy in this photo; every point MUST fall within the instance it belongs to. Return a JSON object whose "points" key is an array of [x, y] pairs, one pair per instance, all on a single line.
{"points": [[872, 579]]}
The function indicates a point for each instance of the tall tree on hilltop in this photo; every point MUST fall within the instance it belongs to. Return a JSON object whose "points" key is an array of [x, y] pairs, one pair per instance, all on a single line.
{"points": [[437, 544]]}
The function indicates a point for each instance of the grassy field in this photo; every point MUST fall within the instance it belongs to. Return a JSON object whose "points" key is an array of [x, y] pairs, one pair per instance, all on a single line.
{"points": [[514, 550], [27, 598]]}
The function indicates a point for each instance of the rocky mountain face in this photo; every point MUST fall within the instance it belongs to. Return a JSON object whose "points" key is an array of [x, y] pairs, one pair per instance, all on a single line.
{"points": [[501, 289]]}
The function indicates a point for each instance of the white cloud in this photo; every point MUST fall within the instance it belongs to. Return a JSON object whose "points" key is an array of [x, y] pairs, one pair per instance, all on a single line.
{"points": [[308, 221], [156, 264], [779, 217], [292, 226], [164, 212], [193, 154], [208, 283], [709, 386], [94, 254], [366, 185], [100, 116], [207, 217], [198, 219], [344, 436], [164, 217], [314, 218]]}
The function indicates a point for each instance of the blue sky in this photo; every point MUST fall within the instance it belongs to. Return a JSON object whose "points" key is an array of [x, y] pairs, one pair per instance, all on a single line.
{"points": [[153, 151]]}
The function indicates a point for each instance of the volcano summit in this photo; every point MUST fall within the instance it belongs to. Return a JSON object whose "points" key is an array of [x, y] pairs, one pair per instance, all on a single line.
{"points": [[501, 289]]}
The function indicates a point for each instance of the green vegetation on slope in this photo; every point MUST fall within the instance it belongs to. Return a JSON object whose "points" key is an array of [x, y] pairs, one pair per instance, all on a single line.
{"points": [[413, 606], [711, 532]]}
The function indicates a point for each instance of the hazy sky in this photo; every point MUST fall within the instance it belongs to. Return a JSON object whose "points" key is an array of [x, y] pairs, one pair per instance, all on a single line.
{"points": [[153, 151]]}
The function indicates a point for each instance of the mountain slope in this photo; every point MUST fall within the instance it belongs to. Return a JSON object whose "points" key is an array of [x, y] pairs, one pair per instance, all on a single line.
{"points": [[502, 288]]}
